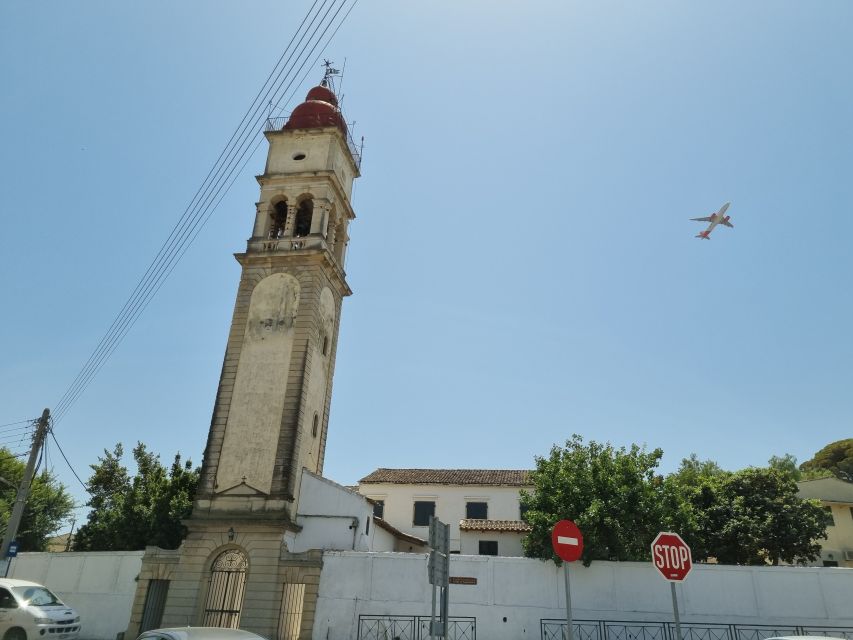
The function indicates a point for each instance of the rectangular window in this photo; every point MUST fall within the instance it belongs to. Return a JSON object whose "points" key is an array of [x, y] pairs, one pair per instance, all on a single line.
{"points": [[830, 521], [423, 510], [378, 508], [488, 547], [851, 512], [522, 509], [290, 618], [477, 510]]}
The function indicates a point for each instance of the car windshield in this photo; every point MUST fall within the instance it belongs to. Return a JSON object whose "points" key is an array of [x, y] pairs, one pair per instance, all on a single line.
{"points": [[36, 596]]}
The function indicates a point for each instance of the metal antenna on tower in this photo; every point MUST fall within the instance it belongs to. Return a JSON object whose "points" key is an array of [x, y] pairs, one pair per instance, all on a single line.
{"points": [[329, 74]]}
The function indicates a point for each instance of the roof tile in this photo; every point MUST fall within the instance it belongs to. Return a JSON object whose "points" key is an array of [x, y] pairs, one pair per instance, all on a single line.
{"points": [[504, 477], [508, 526]]}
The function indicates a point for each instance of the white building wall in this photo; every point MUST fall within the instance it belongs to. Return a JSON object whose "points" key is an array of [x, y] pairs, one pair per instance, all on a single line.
{"points": [[449, 504], [334, 518], [524, 591], [100, 585], [509, 544]]}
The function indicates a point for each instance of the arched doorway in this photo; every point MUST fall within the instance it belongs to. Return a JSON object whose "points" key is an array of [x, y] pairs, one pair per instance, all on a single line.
{"points": [[226, 589]]}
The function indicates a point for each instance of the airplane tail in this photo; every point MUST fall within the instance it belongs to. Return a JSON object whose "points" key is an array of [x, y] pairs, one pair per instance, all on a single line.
{"points": [[704, 236]]}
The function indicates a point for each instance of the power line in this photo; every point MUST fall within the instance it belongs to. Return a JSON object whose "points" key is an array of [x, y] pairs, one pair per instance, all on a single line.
{"points": [[64, 457], [9, 424], [150, 278], [211, 192], [166, 258]]}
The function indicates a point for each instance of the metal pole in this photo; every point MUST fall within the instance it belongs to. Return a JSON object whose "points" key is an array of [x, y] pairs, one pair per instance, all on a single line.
{"points": [[569, 632], [432, 615], [445, 613], [24, 488], [675, 611]]}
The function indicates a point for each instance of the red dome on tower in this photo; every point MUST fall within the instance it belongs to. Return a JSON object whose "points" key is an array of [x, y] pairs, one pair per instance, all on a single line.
{"points": [[320, 109]]}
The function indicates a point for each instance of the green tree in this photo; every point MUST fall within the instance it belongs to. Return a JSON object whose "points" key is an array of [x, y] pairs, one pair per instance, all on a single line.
{"points": [[835, 458], [755, 516], [695, 486], [614, 495], [48, 506], [786, 464], [130, 513]]}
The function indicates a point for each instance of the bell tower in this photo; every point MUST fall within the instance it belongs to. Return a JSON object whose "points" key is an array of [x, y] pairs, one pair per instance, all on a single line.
{"points": [[234, 568], [272, 407]]}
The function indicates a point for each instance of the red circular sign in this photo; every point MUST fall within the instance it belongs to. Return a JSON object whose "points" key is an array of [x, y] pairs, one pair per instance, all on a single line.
{"points": [[567, 540], [671, 556]]}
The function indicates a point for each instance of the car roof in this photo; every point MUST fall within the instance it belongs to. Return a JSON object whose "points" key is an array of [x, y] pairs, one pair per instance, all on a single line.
{"points": [[202, 633], [14, 582]]}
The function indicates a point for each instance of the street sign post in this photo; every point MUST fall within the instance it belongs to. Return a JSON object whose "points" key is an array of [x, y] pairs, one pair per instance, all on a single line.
{"points": [[672, 558], [567, 541], [438, 570]]}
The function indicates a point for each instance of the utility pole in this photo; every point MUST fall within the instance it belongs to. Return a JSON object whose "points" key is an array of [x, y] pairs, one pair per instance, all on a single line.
{"points": [[24, 489]]}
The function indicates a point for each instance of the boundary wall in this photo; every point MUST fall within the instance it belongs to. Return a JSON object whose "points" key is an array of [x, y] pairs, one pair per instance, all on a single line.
{"points": [[100, 585], [513, 596]]}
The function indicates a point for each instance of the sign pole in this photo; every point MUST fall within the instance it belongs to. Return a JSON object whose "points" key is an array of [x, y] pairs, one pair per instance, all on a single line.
{"points": [[678, 635], [432, 615], [569, 635]]}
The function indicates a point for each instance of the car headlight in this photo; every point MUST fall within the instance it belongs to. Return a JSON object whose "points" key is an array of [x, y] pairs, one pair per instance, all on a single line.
{"points": [[77, 619], [44, 620]]}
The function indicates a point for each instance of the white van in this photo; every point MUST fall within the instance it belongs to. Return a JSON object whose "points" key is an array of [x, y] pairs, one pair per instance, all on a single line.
{"points": [[29, 611]]}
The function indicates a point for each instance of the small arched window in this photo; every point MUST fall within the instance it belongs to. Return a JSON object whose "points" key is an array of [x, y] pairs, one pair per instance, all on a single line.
{"points": [[279, 219], [302, 224]]}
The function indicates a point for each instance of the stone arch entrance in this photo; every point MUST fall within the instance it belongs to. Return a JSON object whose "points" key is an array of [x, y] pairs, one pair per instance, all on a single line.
{"points": [[226, 589]]}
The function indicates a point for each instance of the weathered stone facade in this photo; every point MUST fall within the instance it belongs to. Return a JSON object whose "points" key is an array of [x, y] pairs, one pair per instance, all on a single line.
{"points": [[271, 412]]}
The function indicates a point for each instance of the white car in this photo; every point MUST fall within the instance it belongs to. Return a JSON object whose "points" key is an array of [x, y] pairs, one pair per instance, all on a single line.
{"points": [[29, 611], [198, 633]]}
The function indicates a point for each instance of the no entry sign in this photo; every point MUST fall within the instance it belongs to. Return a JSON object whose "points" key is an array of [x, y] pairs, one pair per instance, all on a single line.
{"points": [[567, 540], [671, 556]]}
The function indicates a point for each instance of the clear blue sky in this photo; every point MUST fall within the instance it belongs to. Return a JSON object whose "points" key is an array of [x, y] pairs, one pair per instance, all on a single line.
{"points": [[523, 263]]}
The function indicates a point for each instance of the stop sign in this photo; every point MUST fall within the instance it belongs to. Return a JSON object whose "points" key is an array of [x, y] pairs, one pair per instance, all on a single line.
{"points": [[671, 556], [567, 540]]}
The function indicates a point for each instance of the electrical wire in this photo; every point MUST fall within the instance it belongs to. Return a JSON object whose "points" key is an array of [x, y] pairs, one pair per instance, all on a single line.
{"points": [[207, 198], [64, 457], [166, 252], [9, 424]]}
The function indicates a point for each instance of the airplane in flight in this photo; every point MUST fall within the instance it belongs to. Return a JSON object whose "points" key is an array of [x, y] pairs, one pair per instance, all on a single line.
{"points": [[715, 218]]}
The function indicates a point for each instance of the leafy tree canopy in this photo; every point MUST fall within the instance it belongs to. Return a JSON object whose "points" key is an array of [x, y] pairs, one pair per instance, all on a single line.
{"points": [[757, 517], [132, 512], [613, 495], [48, 506], [835, 458]]}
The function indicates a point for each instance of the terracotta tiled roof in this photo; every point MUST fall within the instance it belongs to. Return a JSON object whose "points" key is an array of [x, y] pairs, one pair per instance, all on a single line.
{"points": [[394, 531], [506, 526], [505, 477]]}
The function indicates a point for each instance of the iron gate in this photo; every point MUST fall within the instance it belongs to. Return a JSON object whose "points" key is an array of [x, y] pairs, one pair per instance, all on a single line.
{"points": [[225, 590]]}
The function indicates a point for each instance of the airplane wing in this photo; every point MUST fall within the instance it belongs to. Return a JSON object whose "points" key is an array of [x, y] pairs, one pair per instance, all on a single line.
{"points": [[727, 223], [708, 219]]}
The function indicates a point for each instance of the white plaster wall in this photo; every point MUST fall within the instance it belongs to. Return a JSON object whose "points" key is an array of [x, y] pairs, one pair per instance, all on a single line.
{"points": [[324, 151], [327, 513], [99, 585], [509, 544], [526, 590], [449, 504]]}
